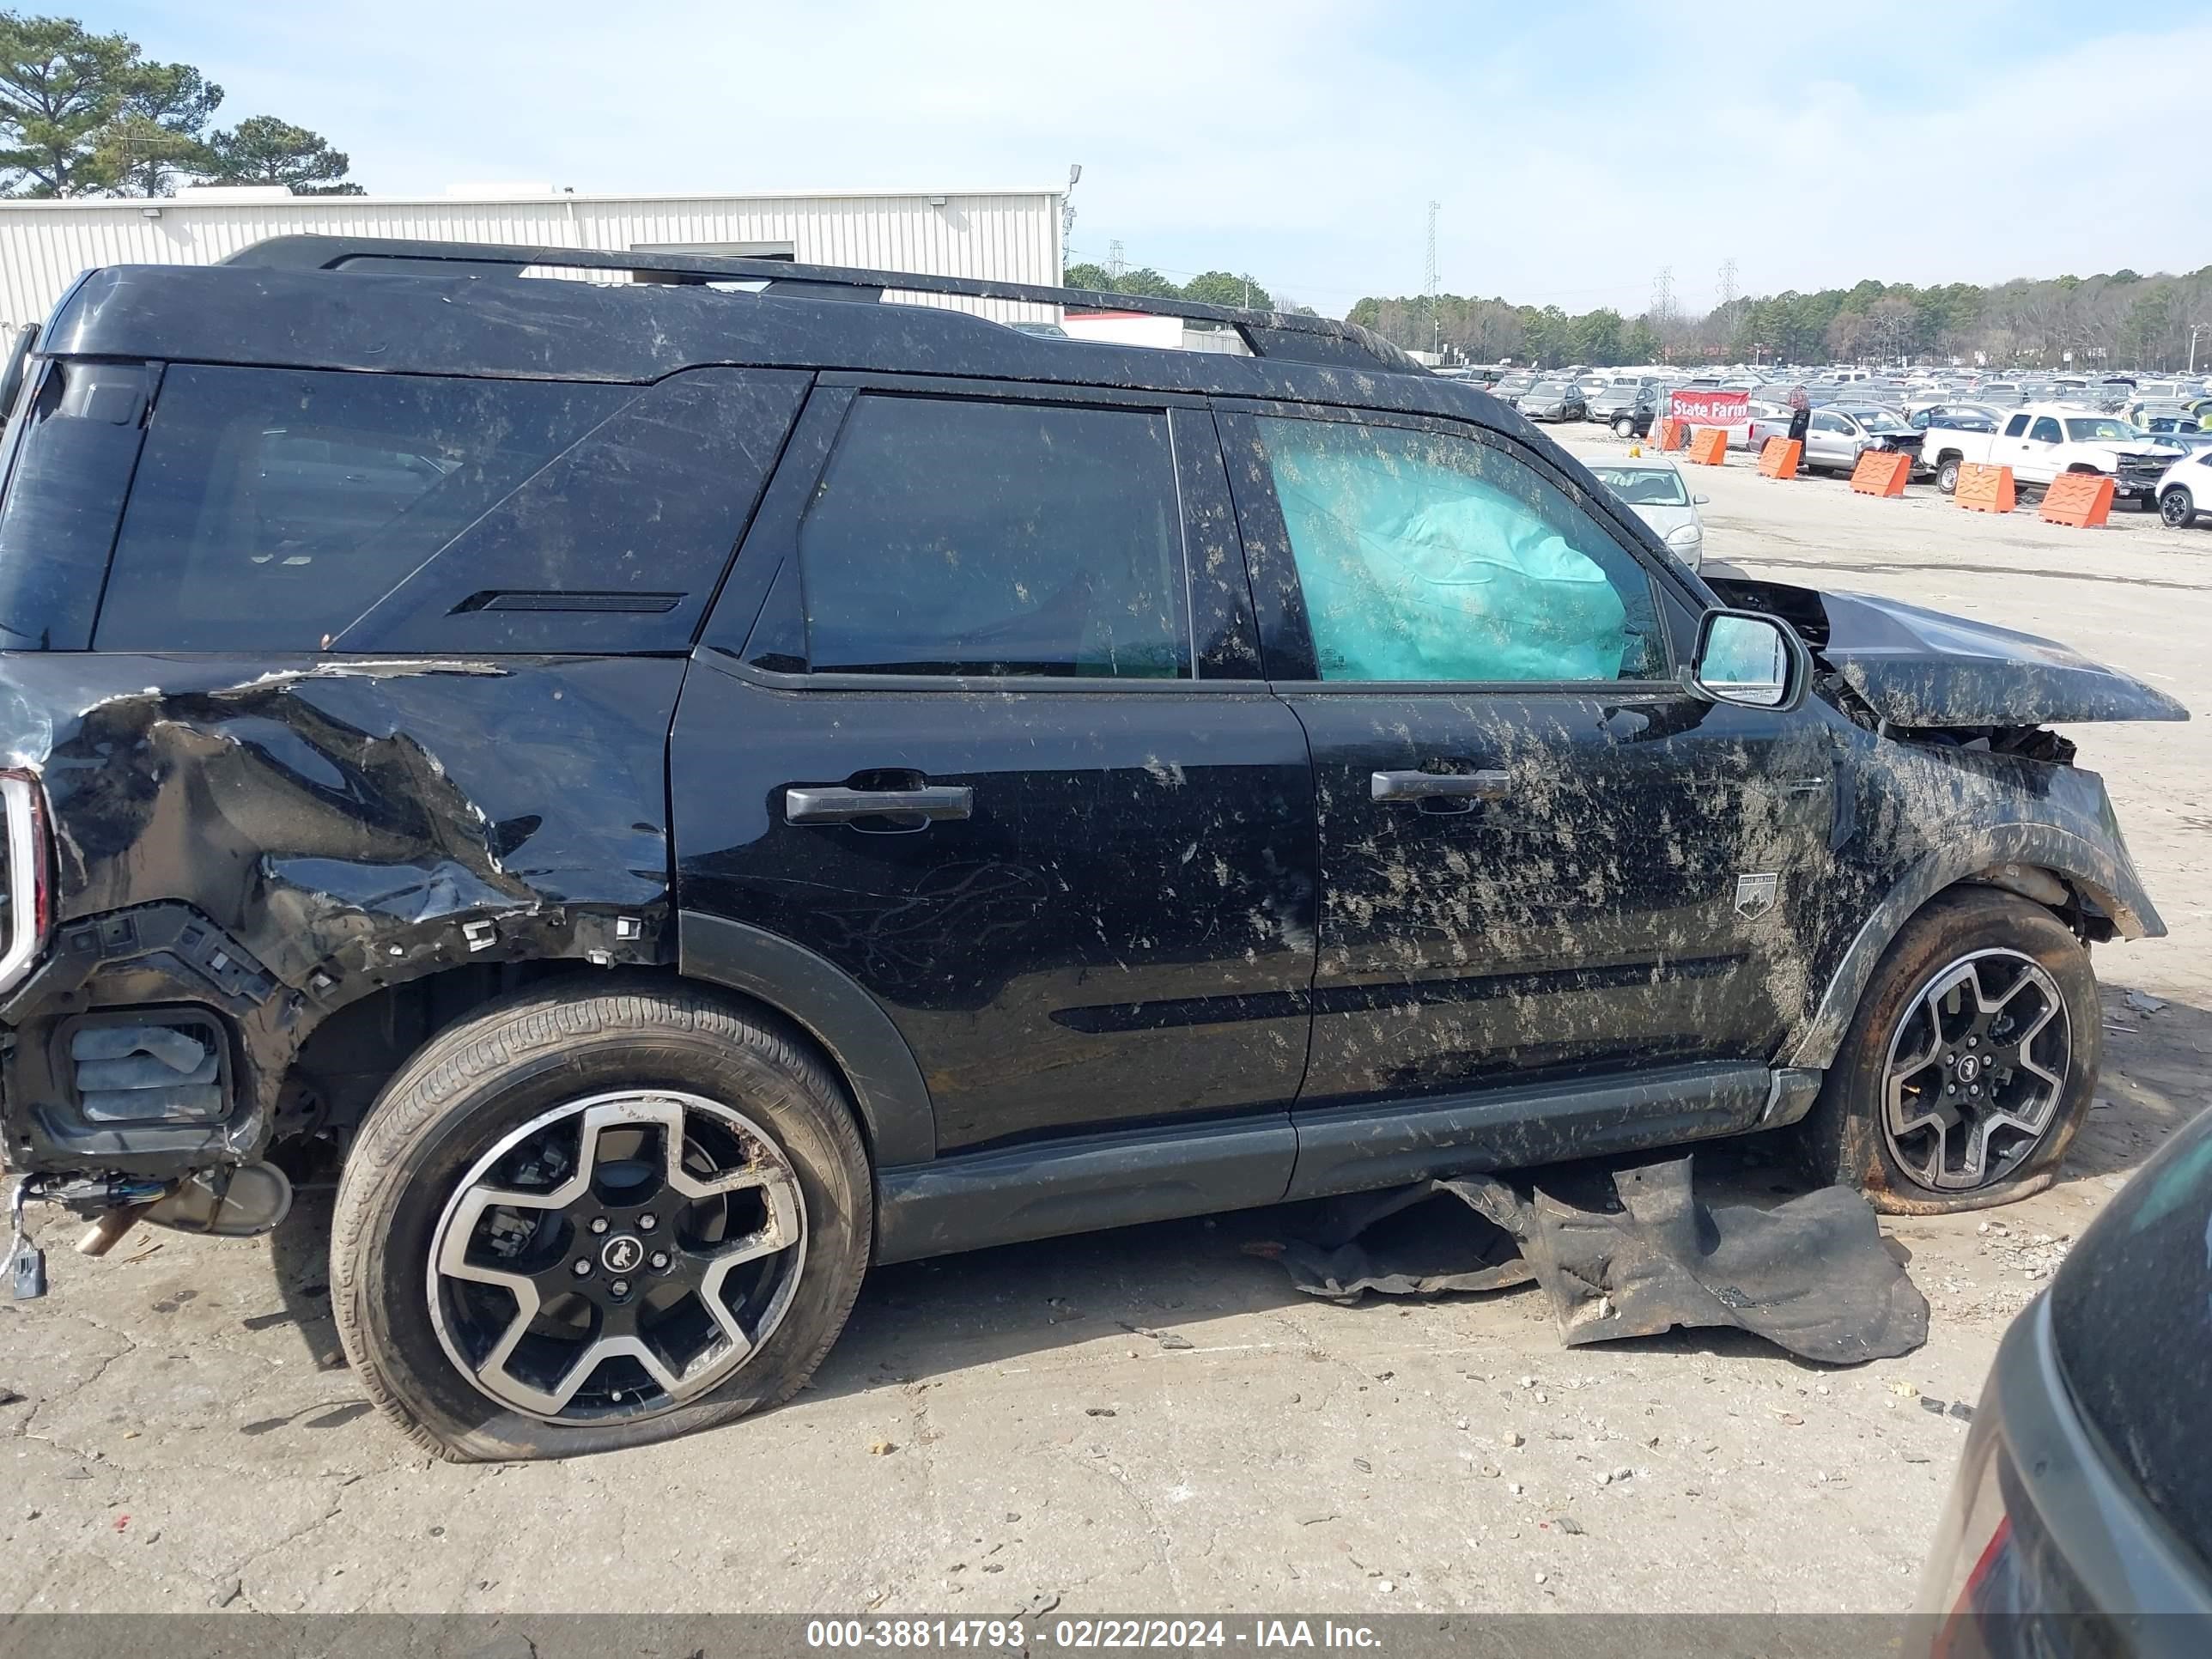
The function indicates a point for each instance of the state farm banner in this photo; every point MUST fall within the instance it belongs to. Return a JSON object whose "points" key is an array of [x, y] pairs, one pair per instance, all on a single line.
{"points": [[1703, 408]]}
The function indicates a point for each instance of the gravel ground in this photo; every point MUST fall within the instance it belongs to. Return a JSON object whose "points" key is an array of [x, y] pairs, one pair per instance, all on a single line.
{"points": [[1150, 1420]]}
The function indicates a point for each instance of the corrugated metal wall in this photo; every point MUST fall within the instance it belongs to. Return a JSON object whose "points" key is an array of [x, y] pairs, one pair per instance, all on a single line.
{"points": [[1013, 236]]}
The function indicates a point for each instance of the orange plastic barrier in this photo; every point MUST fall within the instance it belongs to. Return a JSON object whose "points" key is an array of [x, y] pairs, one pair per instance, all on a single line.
{"points": [[1881, 472], [2078, 498], [1710, 446], [1985, 488], [1778, 457], [1672, 433]]}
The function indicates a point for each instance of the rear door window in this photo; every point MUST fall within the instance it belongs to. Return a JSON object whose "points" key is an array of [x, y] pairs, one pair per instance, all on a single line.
{"points": [[963, 537], [271, 507]]}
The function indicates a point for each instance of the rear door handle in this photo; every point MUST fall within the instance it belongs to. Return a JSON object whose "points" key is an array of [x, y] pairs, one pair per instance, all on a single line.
{"points": [[1439, 786], [830, 804]]}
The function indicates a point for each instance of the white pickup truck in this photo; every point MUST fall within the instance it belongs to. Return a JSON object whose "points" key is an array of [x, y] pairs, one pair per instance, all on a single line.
{"points": [[2044, 439]]}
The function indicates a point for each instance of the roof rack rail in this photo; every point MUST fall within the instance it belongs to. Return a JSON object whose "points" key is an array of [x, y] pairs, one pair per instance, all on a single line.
{"points": [[1294, 337]]}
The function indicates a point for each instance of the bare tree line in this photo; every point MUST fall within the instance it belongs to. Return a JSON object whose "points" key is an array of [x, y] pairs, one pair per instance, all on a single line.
{"points": [[2116, 320]]}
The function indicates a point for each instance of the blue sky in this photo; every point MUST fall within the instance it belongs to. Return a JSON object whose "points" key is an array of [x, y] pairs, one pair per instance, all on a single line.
{"points": [[1577, 148]]}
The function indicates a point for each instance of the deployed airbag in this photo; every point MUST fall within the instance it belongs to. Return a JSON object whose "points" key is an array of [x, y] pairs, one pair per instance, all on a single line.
{"points": [[1414, 569]]}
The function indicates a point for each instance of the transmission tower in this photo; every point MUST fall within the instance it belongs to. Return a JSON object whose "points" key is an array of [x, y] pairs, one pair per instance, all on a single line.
{"points": [[1114, 266], [1662, 294], [1430, 285], [1728, 283]]}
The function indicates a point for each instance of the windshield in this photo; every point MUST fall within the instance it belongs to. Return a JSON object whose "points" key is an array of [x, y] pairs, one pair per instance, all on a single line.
{"points": [[1878, 419], [1549, 389], [1644, 486], [2098, 432]]}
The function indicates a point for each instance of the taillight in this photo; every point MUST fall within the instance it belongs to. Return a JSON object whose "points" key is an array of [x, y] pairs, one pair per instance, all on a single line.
{"points": [[1985, 1603], [25, 883], [1970, 1540]]}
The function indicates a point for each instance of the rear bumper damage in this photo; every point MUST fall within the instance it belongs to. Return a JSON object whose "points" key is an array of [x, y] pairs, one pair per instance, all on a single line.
{"points": [[177, 995]]}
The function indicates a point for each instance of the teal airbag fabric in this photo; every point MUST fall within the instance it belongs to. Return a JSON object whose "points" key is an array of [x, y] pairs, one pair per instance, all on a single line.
{"points": [[1416, 566]]}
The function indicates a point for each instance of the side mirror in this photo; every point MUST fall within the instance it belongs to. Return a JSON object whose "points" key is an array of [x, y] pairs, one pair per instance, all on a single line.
{"points": [[1701, 500], [1749, 658]]}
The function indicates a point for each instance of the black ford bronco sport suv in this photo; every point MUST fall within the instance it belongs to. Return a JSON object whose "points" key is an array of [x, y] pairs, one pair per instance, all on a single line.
{"points": [[691, 786]]}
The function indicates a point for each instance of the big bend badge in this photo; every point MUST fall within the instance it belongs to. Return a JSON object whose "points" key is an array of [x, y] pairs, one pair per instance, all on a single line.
{"points": [[1755, 893]]}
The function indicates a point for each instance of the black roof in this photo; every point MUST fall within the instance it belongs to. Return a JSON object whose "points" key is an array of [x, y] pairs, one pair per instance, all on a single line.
{"points": [[398, 306]]}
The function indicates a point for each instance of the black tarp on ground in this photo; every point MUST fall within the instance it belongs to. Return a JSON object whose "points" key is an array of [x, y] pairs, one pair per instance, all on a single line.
{"points": [[1813, 1276]]}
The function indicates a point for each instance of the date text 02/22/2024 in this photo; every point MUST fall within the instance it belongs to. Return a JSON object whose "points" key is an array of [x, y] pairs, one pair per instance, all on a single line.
{"points": [[1262, 1634]]}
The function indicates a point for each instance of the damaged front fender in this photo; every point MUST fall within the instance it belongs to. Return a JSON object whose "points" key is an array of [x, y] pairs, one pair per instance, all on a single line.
{"points": [[1918, 818], [1949, 778], [2025, 857], [270, 841]]}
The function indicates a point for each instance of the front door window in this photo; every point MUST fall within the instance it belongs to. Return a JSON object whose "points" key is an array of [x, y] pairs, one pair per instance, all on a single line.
{"points": [[1430, 556]]}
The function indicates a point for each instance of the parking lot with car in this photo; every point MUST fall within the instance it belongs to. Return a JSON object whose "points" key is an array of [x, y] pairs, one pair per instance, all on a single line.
{"points": [[1160, 1419]]}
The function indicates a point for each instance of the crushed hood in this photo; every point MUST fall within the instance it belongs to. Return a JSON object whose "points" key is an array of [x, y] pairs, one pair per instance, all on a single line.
{"points": [[1918, 667]]}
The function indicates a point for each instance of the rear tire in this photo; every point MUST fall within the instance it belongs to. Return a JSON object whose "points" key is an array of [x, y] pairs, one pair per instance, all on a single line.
{"points": [[2178, 507], [1895, 1118], [1624, 428], [592, 1106]]}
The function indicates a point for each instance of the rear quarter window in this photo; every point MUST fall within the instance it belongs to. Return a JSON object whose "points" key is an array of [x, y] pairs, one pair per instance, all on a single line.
{"points": [[71, 448], [271, 507]]}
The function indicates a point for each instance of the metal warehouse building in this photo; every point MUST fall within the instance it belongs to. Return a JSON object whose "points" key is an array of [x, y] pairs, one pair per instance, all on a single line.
{"points": [[1012, 235]]}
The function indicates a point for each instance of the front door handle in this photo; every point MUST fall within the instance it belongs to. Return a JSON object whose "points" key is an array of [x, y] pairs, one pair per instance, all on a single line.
{"points": [[833, 803], [1439, 786]]}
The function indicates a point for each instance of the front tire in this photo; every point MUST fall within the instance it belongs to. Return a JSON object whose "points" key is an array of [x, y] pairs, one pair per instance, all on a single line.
{"points": [[2178, 507], [1969, 1067], [595, 1217], [1946, 475]]}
